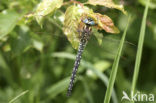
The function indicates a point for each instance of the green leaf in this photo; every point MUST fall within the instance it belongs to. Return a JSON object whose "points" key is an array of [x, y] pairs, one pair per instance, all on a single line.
{"points": [[72, 22], [114, 69], [72, 19], [106, 23], [101, 66], [8, 20], [38, 45], [46, 7], [98, 35], [107, 3], [140, 48]]}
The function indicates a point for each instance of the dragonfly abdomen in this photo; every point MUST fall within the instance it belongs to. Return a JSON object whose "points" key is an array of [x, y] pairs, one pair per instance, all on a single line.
{"points": [[83, 41], [76, 65]]}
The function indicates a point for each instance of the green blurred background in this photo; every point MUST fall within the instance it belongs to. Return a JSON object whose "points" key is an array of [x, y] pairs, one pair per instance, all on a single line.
{"points": [[41, 60]]}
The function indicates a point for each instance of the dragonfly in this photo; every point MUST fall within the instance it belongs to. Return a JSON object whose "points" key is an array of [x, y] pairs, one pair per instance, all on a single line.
{"points": [[84, 37], [109, 46], [85, 34]]}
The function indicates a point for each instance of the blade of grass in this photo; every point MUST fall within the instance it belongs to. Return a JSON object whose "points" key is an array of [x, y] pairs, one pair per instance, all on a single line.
{"points": [[17, 97], [6, 71], [57, 88], [89, 66], [102, 76], [87, 90], [115, 68], [140, 47]]}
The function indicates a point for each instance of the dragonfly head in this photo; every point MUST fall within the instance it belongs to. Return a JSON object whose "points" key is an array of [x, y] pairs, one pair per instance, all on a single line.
{"points": [[89, 21]]}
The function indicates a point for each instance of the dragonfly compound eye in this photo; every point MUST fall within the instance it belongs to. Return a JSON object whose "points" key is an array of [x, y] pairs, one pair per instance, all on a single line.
{"points": [[89, 21], [86, 21], [92, 23]]}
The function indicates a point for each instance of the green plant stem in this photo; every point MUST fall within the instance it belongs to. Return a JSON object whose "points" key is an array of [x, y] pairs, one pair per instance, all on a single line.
{"points": [[17, 97], [140, 47], [115, 68]]}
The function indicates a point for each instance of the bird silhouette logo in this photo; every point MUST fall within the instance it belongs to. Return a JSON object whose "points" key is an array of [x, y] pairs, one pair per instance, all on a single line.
{"points": [[125, 96]]}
